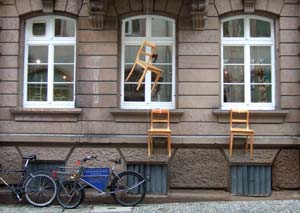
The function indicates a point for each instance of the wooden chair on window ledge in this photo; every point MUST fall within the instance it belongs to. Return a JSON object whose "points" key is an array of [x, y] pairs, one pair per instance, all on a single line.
{"points": [[239, 125], [160, 126], [146, 49]]}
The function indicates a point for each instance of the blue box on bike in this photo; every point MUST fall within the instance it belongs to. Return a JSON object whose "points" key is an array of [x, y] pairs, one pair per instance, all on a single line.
{"points": [[96, 177]]}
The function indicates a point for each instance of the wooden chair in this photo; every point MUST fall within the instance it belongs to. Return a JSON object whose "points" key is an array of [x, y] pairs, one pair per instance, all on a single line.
{"points": [[239, 125], [146, 64], [160, 126]]}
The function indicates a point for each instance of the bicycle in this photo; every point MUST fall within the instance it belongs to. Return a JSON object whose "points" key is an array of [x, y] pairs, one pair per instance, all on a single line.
{"points": [[127, 188], [39, 189]]}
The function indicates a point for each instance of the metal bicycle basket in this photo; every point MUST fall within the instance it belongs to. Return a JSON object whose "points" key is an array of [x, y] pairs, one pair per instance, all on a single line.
{"points": [[96, 177], [65, 173]]}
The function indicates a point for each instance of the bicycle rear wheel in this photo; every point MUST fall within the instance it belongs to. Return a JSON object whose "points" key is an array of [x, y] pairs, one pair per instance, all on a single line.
{"points": [[128, 188], [70, 194], [40, 190]]}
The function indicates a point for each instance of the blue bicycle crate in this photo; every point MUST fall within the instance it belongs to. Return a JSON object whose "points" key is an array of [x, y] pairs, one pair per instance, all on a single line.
{"points": [[96, 177]]}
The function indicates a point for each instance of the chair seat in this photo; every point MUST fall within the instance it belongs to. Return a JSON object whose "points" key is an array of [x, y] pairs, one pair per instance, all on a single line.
{"points": [[149, 66]]}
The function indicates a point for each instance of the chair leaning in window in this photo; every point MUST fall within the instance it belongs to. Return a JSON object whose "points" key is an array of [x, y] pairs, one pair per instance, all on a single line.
{"points": [[239, 125], [146, 64], [160, 126]]}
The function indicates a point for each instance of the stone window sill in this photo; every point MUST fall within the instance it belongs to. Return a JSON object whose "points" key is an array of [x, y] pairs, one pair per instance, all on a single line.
{"points": [[256, 116], [46, 114], [135, 115]]}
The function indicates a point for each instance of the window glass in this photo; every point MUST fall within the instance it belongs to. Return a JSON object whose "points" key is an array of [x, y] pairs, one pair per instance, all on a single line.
{"points": [[135, 28], [259, 28], [260, 55], [37, 92], [64, 28], [161, 28], [64, 54], [63, 92], [234, 93], [233, 28], [39, 28], [38, 54]]}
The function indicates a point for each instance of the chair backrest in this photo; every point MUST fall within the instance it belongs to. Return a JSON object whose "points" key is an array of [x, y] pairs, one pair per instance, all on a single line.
{"points": [[239, 117], [160, 118], [144, 51]]}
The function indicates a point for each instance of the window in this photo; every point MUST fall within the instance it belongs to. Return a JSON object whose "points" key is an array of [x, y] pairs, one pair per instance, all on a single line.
{"points": [[248, 66], [49, 68], [161, 31]]}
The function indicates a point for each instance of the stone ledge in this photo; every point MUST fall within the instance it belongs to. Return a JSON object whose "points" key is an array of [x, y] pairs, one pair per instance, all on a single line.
{"points": [[256, 116], [135, 115], [43, 114]]}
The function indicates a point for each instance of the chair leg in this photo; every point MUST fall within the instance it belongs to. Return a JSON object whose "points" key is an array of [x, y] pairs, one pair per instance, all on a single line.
{"points": [[131, 71], [155, 82], [149, 146], [169, 145], [247, 144], [140, 81], [251, 146], [230, 144]]}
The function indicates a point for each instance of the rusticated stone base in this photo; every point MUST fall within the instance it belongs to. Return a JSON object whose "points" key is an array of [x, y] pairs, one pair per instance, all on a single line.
{"points": [[10, 159], [286, 171], [198, 168]]}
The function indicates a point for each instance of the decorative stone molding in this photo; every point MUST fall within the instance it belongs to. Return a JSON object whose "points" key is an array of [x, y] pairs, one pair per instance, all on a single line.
{"points": [[97, 9], [199, 13], [48, 6], [249, 6]]}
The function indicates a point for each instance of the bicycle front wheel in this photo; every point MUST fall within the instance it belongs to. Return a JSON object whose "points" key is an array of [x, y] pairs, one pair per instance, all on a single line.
{"points": [[70, 194], [128, 188], [40, 190]]}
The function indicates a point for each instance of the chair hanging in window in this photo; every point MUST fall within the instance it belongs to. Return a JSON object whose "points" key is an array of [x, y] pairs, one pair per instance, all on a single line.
{"points": [[144, 59]]}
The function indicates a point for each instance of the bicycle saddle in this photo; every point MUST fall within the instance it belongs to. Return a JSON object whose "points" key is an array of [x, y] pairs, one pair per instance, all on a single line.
{"points": [[29, 157]]}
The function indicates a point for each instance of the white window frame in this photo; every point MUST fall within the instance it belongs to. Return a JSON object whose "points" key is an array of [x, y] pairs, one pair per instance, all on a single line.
{"points": [[246, 42], [170, 41], [48, 40]]}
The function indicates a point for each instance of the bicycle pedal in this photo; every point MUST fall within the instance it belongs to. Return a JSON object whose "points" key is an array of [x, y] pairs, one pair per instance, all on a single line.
{"points": [[101, 193]]}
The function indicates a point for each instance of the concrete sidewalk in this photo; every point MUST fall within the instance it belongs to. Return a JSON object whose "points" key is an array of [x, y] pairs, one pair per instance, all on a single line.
{"points": [[269, 206]]}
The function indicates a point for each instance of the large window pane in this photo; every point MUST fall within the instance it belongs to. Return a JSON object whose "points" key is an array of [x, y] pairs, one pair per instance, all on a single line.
{"points": [[161, 28], [64, 54], [63, 92], [37, 73], [233, 74], [38, 54], [162, 93], [259, 28], [233, 28], [64, 28], [261, 74], [260, 55], [37, 92], [135, 28], [261, 93], [233, 55], [233, 93], [63, 73], [131, 94]]}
